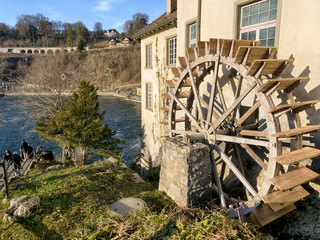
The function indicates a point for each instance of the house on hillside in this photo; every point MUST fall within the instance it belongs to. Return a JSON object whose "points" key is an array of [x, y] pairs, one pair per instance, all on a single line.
{"points": [[113, 42], [111, 33], [127, 41], [290, 26]]}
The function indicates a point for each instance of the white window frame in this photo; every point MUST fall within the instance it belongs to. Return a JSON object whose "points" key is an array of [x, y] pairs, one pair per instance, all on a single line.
{"points": [[192, 30], [149, 96], [149, 55], [172, 51], [259, 26]]}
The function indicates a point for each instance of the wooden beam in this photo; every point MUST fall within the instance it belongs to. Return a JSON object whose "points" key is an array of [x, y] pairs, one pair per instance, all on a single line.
{"points": [[233, 139], [248, 113], [255, 157], [217, 123], [236, 171]]}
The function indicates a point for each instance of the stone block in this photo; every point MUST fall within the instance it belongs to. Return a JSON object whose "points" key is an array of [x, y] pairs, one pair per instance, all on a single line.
{"points": [[185, 173]]}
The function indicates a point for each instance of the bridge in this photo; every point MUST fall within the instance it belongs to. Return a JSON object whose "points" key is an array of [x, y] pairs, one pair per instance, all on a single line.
{"points": [[36, 50]]}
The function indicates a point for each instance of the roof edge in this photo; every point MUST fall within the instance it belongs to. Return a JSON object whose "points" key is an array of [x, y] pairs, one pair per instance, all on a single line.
{"points": [[154, 28]]}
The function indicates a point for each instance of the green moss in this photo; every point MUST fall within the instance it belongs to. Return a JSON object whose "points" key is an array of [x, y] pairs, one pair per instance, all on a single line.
{"points": [[75, 201]]}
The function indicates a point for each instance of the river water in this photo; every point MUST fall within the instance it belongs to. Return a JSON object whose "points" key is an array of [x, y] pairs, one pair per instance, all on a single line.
{"points": [[17, 123]]}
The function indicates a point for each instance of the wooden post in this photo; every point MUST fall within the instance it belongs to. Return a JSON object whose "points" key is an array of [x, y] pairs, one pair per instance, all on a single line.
{"points": [[5, 179]]}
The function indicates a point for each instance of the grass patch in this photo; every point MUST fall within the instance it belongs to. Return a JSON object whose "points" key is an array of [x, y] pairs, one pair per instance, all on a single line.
{"points": [[75, 201]]}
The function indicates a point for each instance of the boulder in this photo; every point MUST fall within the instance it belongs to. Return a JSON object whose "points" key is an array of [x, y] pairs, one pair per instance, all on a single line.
{"points": [[27, 207], [15, 203], [20, 207], [137, 178]]}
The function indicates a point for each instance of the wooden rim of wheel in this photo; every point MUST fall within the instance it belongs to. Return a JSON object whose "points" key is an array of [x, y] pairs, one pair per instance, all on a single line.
{"points": [[213, 119]]}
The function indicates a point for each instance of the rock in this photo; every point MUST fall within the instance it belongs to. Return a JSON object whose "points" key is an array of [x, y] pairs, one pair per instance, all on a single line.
{"points": [[9, 218], [27, 207], [111, 160], [15, 203], [20, 207], [53, 167], [137, 178], [123, 165]]}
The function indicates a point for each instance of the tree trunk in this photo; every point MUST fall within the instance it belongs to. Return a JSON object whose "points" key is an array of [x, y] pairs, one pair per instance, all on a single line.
{"points": [[80, 156]]}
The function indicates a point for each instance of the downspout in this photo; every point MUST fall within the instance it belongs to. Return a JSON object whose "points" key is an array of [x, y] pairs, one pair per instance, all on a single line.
{"points": [[199, 20]]}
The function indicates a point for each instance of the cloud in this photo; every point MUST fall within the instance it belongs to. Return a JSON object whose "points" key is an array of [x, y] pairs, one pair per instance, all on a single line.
{"points": [[103, 6]]}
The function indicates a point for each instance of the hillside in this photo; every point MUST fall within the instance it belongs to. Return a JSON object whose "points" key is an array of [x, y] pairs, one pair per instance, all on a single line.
{"points": [[74, 205], [106, 68]]}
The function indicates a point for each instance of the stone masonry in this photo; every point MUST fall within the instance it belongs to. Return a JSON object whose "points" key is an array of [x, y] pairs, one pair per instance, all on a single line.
{"points": [[185, 173]]}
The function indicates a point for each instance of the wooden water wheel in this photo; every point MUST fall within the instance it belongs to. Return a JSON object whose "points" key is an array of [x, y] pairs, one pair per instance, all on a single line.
{"points": [[224, 92]]}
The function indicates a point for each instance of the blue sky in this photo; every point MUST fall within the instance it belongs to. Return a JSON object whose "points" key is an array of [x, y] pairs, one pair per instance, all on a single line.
{"points": [[111, 13]]}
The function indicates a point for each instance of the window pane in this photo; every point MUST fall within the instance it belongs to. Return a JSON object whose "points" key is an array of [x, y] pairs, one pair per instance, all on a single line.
{"points": [[254, 8], [274, 4], [263, 34], [253, 19], [245, 21], [245, 11], [272, 33], [244, 36], [193, 31], [271, 42], [263, 43], [263, 17], [273, 15], [252, 35], [264, 6]]}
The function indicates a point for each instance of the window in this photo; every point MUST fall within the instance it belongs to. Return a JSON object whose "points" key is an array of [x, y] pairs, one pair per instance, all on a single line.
{"points": [[258, 22], [193, 35], [149, 96], [149, 55], [172, 51]]}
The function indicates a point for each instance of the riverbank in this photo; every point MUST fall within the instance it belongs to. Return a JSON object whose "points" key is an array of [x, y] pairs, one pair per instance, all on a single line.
{"points": [[75, 201], [124, 95]]}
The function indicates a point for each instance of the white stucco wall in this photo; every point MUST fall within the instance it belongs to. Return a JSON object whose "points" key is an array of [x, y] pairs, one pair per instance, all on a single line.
{"points": [[298, 31], [157, 75]]}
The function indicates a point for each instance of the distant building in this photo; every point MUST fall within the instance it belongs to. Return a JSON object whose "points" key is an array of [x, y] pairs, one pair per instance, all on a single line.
{"points": [[110, 33], [126, 41], [113, 42]]}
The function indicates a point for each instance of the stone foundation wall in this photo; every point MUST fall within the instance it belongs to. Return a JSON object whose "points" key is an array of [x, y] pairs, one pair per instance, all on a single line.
{"points": [[185, 173]]}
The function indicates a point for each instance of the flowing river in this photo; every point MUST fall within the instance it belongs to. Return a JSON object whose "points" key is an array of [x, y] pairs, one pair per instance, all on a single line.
{"points": [[17, 123]]}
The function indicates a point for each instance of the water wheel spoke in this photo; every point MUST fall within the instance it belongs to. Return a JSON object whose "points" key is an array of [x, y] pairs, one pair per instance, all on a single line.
{"points": [[196, 95], [249, 141], [254, 156], [241, 167], [186, 111], [238, 90], [248, 113], [217, 180], [217, 123], [223, 167], [222, 100], [236, 171], [213, 90]]}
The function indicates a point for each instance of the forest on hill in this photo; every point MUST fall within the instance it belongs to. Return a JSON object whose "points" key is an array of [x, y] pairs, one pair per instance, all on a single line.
{"points": [[39, 31]]}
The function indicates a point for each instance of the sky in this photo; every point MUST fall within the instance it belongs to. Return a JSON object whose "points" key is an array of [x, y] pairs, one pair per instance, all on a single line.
{"points": [[111, 13]]}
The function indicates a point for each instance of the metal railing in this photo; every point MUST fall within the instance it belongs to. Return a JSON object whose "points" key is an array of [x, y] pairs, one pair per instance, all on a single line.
{"points": [[7, 172]]}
